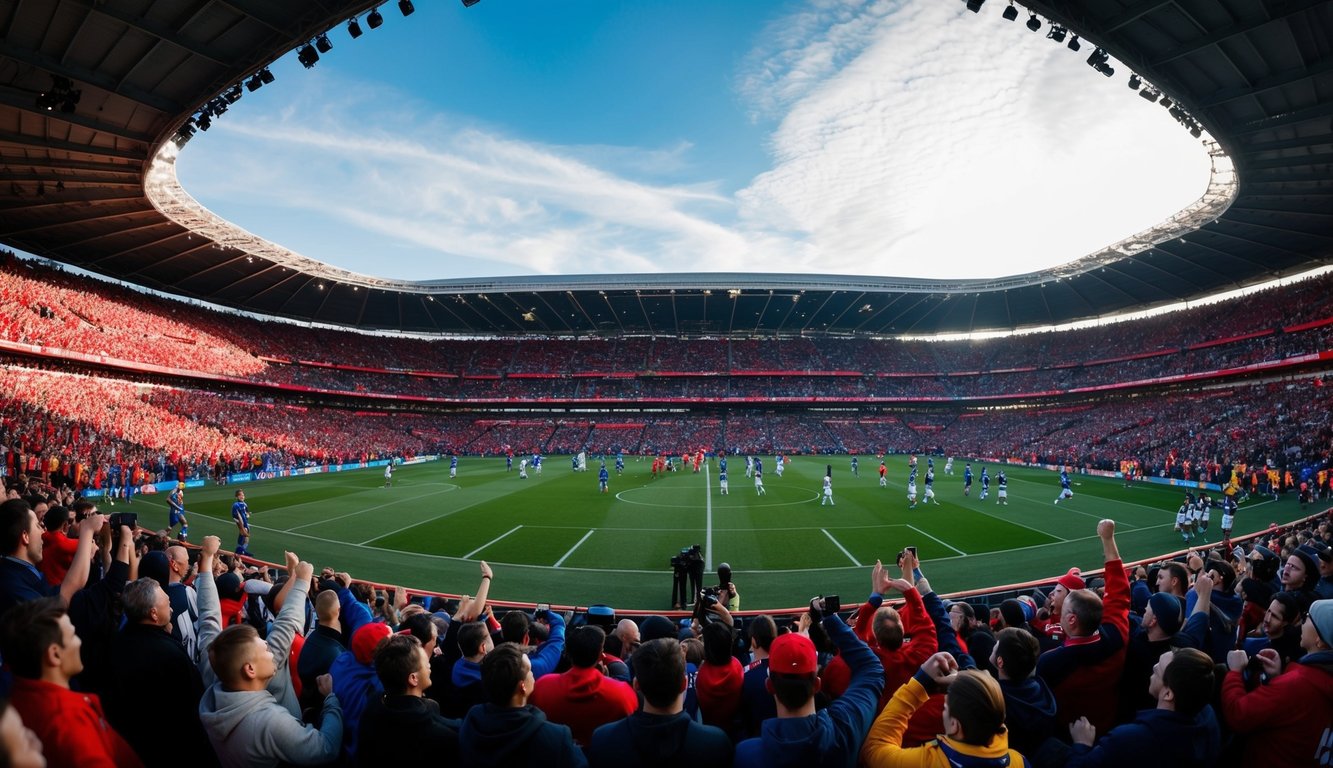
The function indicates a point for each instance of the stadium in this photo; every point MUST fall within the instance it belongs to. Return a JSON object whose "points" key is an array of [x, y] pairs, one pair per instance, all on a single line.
{"points": [[405, 431]]}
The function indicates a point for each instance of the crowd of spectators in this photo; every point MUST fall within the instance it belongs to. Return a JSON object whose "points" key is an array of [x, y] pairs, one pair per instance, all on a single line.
{"points": [[82, 318], [1223, 657]]}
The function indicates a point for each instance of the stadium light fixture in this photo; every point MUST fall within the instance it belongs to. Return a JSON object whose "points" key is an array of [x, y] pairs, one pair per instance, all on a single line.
{"points": [[1135, 82], [975, 5], [470, 3], [203, 121], [254, 83], [1010, 13], [406, 7], [233, 94], [307, 56], [265, 76], [323, 44], [1149, 94], [1073, 43], [374, 19], [1056, 33], [1034, 23], [353, 28], [1166, 102]]}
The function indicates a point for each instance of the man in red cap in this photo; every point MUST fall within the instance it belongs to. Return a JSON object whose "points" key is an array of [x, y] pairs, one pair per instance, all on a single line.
{"points": [[800, 735], [1047, 624], [355, 681]]}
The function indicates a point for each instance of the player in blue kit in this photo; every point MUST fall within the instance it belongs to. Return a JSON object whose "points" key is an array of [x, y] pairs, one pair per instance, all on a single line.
{"points": [[1065, 491], [604, 478], [620, 464], [240, 513], [985, 483], [176, 512], [453, 466], [967, 480]]}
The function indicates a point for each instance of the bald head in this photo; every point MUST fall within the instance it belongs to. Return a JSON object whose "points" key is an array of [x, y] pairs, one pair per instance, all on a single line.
{"points": [[178, 563]]}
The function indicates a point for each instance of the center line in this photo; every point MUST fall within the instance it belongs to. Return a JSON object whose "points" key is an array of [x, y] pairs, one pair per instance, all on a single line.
{"points": [[708, 526], [469, 555], [571, 549]]}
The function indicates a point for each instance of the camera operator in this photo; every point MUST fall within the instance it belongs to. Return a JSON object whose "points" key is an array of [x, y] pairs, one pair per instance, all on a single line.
{"points": [[726, 589], [687, 576]]}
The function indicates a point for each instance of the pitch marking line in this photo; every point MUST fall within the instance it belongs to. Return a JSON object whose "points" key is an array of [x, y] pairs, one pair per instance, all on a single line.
{"points": [[363, 511], [571, 549], [708, 535], [941, 541], [1020, 525], [469, 555], [844, 549]]}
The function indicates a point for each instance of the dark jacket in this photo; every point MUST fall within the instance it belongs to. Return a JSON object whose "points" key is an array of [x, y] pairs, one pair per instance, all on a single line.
{"points": [[516, 736], [1157, 737], [399, 730], [1029, 713], [322, 646], [757, 704], [153, 697], [659, 741]]}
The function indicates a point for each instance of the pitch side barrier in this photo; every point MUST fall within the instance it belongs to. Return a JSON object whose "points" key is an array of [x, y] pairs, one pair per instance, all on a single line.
{"points": [[250, 477], [991, 596]]}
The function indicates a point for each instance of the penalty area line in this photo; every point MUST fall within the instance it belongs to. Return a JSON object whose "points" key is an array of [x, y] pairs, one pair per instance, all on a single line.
{"points": [[571, 549], [840, 546], [945, 543], [469, 555]]}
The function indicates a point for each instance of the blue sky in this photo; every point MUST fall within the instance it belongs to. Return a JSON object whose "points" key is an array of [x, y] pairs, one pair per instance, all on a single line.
{"points": [[899, 138]]}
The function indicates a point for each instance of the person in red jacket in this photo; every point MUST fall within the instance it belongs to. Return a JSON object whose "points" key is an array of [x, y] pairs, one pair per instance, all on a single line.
{"points": [[902, 639], [57, 546], [1289, 716], [1084, 672], [584, 698], [40, 647], [721, 678]]}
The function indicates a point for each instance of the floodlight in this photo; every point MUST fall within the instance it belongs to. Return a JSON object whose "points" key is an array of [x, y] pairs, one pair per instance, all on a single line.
{"points": [[323, 44], [406, 7], [1073, 43], [975, 5], [1196, 131], [1056, 33], [1149, 94], [1010, 13], [1135, 82], [374, 19], [470, 3], [353, 28], [1166, 102], [233, 94], [254, 83], [307, 56], [203, 121], [1034, 23], [265, 76]]}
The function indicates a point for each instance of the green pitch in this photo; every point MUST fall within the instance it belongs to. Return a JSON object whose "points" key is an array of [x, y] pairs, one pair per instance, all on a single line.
{"points": [[554, 538]]}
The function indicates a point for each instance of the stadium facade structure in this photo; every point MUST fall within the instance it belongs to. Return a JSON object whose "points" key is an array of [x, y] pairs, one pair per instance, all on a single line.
{"points": [[95, 97]]}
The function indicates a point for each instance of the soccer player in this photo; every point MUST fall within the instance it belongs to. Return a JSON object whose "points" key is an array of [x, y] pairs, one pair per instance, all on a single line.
{"points": [[911, 488], [620, 464], [948, 466], [453, 466], [1228, 516], [722, 477], [176, 512], [985, 483], [1207, 505], [1065, 491], [604, 478], [240, 513], [856, 472], [930, 487], [749, 466], [967, 480], [828, 492], [509, 461], [388, 474], [1183, 519], [883, 475], [759, 481], [1002, 488], [537, 463], [522, 469], [777, 465], [758, 465]]}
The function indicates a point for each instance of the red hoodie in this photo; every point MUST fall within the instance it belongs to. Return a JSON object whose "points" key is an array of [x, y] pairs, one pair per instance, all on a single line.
{"points": [[71, 726], [57, 555], [719, 690], [583, 698]]}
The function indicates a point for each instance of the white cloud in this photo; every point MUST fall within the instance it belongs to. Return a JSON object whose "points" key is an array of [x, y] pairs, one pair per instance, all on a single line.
{"points": [[908, 138]]}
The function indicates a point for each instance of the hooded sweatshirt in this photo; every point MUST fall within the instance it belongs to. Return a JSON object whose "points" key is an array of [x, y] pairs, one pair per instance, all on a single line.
{"points": [[718, 687], [659, 741], [250, 728], [516, 736], [1284, 733], [1156, 738], [355, 684], [583, 698]]}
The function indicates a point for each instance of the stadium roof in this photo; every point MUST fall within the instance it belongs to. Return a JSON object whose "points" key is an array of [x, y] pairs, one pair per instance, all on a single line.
{"points": [[75, 179]]}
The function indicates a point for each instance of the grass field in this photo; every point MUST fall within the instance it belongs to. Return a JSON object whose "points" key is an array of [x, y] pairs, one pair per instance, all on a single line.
{"points": [[554, 538]]}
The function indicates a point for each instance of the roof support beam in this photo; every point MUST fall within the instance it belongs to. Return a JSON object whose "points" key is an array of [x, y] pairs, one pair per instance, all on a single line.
{"points": [[55, 67], [1291, 8]]}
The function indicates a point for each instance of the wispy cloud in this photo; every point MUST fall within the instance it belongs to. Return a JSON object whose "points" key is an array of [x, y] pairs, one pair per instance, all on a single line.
{"points": [[908, 138]]}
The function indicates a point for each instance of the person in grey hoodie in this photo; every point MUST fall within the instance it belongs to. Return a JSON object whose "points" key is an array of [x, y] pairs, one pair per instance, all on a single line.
{"points": [[246, 724], [292, 597]]}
